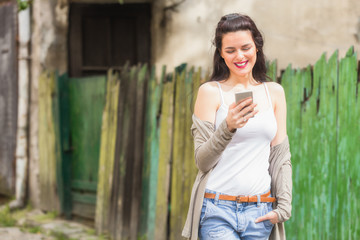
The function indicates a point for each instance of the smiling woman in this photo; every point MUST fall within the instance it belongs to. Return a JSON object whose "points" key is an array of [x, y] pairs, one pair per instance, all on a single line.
{"points": [[235, 196]]}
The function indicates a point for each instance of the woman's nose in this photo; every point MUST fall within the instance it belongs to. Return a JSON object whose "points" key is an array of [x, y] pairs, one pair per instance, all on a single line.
{"points": [[240, 54]]}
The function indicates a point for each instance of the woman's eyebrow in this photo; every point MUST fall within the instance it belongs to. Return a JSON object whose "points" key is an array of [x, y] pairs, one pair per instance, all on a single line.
{"points": [[245, 45]]}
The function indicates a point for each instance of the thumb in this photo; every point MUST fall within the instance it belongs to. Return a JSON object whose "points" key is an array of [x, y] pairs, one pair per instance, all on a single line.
{"points": [[262, 218]]}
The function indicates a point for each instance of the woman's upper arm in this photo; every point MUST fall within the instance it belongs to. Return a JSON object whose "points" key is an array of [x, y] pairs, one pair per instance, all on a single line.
{"points": [[279, 100], [207, 102]]}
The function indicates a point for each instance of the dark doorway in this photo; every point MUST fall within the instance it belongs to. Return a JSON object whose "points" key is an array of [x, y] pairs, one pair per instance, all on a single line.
{"points": [[102, 36]]}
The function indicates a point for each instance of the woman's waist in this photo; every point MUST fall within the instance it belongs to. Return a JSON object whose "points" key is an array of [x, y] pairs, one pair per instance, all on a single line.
{"points": [[243, 183]]}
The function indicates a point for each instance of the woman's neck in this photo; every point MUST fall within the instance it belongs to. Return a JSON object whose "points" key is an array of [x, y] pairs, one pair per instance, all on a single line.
{"points": [[243, 82]]}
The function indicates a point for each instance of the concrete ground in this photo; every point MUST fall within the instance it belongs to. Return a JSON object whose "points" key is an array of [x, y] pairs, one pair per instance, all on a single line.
{"points": [[34, 224]]}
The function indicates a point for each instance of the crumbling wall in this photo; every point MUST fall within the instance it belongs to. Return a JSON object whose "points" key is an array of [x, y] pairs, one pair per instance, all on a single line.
{"points": [[49, 52], [296, 32]]}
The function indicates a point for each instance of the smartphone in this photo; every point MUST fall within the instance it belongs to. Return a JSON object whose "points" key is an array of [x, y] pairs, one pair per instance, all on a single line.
{"points": [[242, 95]]}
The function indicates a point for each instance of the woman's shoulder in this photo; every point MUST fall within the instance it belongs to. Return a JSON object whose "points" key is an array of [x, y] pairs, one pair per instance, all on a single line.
{"points": [[208, 90], [275, 88], [207, 101], [209, 87], [277, 93]]}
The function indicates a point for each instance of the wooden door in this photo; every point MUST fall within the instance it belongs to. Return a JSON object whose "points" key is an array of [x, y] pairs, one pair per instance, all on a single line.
{"points": [[107, 35], [82, 106], [8, 96]]}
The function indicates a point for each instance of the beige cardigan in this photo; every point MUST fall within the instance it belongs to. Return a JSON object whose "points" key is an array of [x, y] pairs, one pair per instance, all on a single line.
{"points": [[209, 145]]}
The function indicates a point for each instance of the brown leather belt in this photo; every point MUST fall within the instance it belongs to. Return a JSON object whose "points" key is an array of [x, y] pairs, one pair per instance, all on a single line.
{"points": [[263, 198]]}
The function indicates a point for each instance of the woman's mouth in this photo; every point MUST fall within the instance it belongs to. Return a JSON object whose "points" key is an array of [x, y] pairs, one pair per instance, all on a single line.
{"points": [[241, 64]]}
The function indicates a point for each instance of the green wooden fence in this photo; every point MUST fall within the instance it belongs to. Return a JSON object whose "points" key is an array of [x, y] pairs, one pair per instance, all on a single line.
{"points": [[324, 132], [323, 127], [147, 166]]}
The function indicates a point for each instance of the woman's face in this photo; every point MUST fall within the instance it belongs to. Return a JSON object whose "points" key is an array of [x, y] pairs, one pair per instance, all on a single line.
{"points": [[239, 53]]}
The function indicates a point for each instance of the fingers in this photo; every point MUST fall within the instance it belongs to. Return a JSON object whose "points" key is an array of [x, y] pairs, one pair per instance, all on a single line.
{"points": [[262, 218], [247, 110], [240, 105], [251, 114], [271, 216], [240, 113], [243, 107]]}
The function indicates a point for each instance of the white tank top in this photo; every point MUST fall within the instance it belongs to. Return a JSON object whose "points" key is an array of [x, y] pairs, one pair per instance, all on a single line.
{"points": [[243, 166]]}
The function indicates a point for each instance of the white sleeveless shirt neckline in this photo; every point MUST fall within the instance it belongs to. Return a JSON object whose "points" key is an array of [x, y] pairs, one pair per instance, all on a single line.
{"points": [[243, 166]]}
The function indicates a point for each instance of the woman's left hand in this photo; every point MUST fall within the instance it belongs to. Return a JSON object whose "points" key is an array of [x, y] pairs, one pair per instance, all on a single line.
{"points": [[272, 216]]}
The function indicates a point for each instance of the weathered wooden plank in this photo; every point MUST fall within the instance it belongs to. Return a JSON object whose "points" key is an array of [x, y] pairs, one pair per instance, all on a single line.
{"points": [[138, 148], [165, 155], [348, 184], [328, 152], [47, 144], [293, 91], [177, 186], [188, 162], [118, 190], [303, 80], [107, 153], [311, 156], [320, 128], [151, 158], [129, 156], [154, 156]]}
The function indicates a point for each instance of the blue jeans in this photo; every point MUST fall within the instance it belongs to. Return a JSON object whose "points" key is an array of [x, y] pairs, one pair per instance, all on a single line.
{"points": [[222, 219]]}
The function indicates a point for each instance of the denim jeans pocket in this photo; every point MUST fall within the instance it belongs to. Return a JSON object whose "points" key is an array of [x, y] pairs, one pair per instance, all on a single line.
{"points": [[265, 209]]}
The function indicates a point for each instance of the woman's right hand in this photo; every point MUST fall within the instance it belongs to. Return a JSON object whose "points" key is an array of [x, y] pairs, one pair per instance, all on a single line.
{"points": [[236, 115]]}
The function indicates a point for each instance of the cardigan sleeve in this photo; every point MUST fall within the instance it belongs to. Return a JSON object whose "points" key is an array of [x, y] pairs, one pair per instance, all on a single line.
{"points": [[209, 143], [280, 170], [284, 192]]}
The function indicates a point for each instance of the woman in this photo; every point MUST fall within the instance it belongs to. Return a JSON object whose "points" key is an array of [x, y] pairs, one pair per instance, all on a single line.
{"points": [[241, 148]]}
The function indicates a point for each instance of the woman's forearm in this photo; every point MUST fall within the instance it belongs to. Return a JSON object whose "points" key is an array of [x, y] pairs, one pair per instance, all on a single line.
{"points": [[209, 149]]}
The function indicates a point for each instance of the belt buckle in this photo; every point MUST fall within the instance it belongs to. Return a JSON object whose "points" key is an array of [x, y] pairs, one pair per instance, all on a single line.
{"points": [[242, 198]]}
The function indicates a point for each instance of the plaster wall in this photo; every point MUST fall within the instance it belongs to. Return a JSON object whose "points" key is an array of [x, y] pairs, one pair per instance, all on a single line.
{"points": [[49, 52], [295, 32]]}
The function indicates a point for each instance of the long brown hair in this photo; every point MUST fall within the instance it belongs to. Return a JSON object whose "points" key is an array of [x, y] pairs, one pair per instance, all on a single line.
{"points": [[232, 23]]}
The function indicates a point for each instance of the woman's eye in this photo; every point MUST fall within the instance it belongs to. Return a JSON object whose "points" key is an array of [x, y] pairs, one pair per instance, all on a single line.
{"points": [[245, 49], [230, 51]]}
